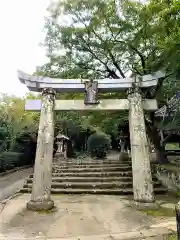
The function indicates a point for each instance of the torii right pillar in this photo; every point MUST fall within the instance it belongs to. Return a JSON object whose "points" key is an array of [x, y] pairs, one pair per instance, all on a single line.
{"points": [[142, 178]]}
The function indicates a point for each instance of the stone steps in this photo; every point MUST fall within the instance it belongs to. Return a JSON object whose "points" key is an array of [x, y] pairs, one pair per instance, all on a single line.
{"points": [[92, 185], [72, 179], [87, 179], [116, 191], [99, 165], [95, 164], [109, 159], [92, 177], [91, 174], [102, 169]]}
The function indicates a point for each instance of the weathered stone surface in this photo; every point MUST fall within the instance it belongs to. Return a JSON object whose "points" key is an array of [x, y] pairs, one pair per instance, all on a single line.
{"points": [[41, 189], [91, 93], [110, 176], [78, 105], [126, 235], [40, 205], [142, 179], [37, 83], [166, 223], [168, 205], [155, 231], [145, 206], [83, 217]]}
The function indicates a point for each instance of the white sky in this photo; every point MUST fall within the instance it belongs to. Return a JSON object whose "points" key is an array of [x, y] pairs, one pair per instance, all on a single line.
{"points": [[21, 25]]}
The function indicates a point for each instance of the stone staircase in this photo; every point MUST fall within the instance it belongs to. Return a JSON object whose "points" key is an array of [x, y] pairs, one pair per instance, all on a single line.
{"points": [[93, 177]]}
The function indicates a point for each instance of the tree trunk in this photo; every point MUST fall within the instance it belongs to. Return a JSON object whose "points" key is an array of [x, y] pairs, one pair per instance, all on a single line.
{"points": [[159, 148], [178, 219]]}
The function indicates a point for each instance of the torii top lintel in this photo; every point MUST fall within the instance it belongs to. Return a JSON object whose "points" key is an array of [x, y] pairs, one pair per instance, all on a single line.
{"points": [[38, 83]]}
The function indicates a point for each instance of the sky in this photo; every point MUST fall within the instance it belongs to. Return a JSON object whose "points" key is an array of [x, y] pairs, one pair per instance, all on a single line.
{"points": [[21, 28]]}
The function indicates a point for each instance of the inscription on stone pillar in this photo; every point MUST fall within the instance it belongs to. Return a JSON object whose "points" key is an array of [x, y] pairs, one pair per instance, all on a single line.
{"points": [[41, 190], [91, 93], [142, 179]]}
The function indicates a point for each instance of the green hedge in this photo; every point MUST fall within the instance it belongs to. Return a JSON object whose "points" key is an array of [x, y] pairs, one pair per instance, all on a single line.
{"points": [[10, 160], [98, 144], [21, 153]]}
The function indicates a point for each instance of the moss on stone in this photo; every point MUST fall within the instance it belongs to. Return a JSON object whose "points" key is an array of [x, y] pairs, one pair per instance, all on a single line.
{"points": [[177, 194], [53, 210], [160, 212]]}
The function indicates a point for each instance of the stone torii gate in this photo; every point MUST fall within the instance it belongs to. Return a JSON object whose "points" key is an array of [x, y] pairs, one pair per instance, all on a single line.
{"points": [[142, 179]]}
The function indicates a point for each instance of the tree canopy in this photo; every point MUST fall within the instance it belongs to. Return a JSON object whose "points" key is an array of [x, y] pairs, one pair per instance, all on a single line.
{"points": [[88, 39]]}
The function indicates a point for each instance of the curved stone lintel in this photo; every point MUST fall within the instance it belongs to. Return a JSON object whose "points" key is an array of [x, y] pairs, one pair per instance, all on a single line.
{"points": [[23, 77], [37, 83]]}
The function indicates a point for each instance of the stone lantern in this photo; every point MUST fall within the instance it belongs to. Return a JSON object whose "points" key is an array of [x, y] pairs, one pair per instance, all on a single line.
{"points": [[61, 141]]}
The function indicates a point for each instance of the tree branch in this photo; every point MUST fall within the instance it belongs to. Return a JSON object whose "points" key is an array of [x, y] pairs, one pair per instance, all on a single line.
{"points": [[116, 64], [143, 62], [159, 85], [88, 49]]}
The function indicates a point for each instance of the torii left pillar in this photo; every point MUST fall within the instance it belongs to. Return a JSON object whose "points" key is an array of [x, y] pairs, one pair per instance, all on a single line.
{"points": [[41, 189]]}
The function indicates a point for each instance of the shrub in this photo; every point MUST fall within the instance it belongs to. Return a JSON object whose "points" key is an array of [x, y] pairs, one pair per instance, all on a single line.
{"points": [[98, 144], [26, 144], [10, 160]]}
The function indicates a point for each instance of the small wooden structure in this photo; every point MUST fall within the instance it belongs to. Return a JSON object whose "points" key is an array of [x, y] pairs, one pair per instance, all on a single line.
{"points": [[61, 141]]}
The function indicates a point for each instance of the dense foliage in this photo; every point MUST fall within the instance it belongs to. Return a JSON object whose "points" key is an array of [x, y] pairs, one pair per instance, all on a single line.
{"points": [[10, 160], [18, 130], [88, 39]]}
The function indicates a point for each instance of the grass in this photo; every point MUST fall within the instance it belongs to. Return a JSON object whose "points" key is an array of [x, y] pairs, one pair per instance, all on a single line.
{"points": [[160, 212], [163, 212], [54, 209], [171, 237]]}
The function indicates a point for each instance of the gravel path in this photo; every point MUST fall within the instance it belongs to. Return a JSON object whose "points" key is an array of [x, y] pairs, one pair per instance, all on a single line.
{"points": [[13, 182]]}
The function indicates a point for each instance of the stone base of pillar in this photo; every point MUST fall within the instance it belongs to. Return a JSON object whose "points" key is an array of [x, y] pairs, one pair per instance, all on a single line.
{"points": [[40, 205]]}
